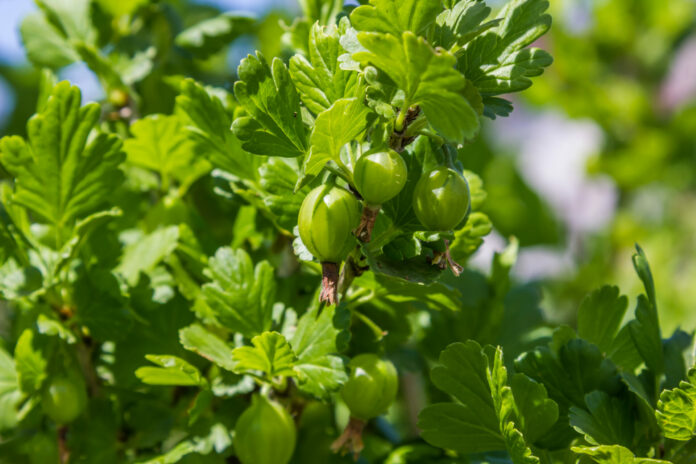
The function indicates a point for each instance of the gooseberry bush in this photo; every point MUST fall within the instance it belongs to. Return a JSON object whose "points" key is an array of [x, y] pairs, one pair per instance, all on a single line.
{"points": [[269, 266]]}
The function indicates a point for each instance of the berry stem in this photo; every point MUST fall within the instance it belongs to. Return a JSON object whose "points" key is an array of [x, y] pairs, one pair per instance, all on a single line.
{"points": [[329, 283], [367, 223], [351, 439]]}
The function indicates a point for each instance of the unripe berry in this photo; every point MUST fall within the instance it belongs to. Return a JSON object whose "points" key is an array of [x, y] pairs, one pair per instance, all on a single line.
{"points": [[441, 199], [265, 433]]}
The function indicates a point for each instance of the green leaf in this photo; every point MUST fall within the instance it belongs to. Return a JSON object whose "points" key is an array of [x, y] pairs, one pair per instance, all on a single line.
{"points": [[274, 124], [10, 395], [278, 180], [607, 420], [497, 62], [345, 121], [218, 440], [122, 7], [241, 295], [30, 363], [71, 17], [645, 332], [208, 123], [676, 410], [160, 144], [642, 267], [59, 174], [271, 354], [577, 369], [614, 454], [537, 412], [324, 11], [460, 24], [210, 36], [317, 341], [427, 78], [645, 328], [47, 326], [44, 44], [318, 78], [469, 238], [198, 339], [600, 316], [396, 16], [172, 371], [489, 414], [145, 252]]}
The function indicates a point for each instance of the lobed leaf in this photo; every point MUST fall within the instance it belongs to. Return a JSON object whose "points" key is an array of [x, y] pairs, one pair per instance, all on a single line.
{"points": [[240, 295], [318, 77], [274, 124], [270, 354], [60, 174], [427, 77]]}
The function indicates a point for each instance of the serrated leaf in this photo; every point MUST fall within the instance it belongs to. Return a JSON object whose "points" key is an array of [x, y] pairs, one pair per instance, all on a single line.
{"points": [[645, 332], [600, 316], [279, 181], [217, 440], [396, 16], [645, 328], [318, 77], [211, 35], [427, 78], [208, 123], [497, 62], [44, 44], [460, 24], [160, 144], [71, 17], [605, 421], [614, 454], [486, 416], [10, 395], [324, 11], [172, 371], [30, 363], [345, 121], [317, 340], [60, 175], [198, 339], [270, 354], [146, 252], [469, 238], [274, 124], [240, 295], [676, 410], [495, 106], [577, 369], [537, 412]]}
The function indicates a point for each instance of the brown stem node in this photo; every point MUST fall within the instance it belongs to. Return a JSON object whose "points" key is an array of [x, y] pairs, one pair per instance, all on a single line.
{"points": [[367, 223], [444, 260], [350, 440], [329, 283]]}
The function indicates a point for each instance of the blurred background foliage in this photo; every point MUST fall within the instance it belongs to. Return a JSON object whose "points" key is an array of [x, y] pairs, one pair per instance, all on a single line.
{"points": [[599, 154]]}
